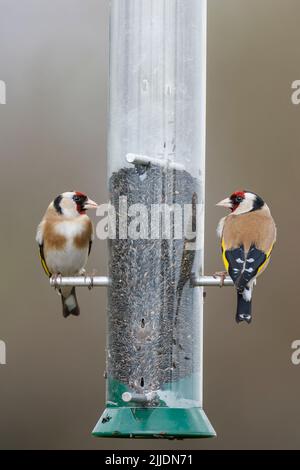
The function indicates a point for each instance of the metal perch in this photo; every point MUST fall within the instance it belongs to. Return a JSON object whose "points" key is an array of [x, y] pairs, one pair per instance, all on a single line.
{"points": [[104, 281], [80, 281]]}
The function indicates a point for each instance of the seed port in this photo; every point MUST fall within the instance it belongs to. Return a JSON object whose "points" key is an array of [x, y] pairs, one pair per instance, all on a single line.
{"points": [[142, 382]]}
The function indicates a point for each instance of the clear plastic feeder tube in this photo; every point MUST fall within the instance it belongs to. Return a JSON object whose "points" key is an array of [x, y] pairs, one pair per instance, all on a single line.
{"points": [[156, 176]]}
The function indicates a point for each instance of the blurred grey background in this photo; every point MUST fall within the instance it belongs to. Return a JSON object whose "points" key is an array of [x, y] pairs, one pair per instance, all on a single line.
{"points": [[54, 60]]}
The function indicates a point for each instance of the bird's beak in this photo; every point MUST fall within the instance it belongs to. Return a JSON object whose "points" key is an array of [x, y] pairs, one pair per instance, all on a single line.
{"points": [[90, 204], [225, 203]]}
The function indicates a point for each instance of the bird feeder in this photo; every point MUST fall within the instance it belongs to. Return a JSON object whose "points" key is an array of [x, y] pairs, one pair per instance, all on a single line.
{"points": [[156, 157], [156, 177]]}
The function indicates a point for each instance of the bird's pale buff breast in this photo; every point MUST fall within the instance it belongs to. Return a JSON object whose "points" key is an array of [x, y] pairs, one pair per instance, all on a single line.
{"points": [[66, 245]]}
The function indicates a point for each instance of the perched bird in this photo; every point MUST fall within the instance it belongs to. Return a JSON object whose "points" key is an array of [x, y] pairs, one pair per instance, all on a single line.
{"points": [[65, 237], [248, 235]]}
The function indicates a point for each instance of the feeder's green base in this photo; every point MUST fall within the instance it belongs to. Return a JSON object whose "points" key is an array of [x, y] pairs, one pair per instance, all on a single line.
{"points": [[168, 423]]}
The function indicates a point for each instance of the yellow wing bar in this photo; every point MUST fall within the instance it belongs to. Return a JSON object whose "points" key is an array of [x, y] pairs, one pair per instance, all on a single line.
{"points": [[44, 264]]}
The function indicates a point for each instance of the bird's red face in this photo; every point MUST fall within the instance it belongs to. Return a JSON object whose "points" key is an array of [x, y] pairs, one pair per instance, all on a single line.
{"points": [[80, 200], [83, 203], [241, 202], [73, 203], [234, 201]]}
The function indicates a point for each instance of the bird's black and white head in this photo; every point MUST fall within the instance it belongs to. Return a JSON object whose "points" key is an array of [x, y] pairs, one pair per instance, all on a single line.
{"points": [[73, 204], [241, 202]]}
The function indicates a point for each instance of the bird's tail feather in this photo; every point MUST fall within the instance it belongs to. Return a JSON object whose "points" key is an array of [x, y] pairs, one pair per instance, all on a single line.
{"points": [[244, 308], [70, 304]]}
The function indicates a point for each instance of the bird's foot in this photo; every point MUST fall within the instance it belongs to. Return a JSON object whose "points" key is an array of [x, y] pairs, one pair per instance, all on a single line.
{"points": [[222, 275], [55, 278], [90, 275]]}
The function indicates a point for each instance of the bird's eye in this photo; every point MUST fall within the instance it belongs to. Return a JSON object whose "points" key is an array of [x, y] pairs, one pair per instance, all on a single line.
{"points": [[79, 199], [239, 199]]}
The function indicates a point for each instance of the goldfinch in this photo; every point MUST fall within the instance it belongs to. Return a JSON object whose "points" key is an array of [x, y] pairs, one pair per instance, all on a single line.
{"points": [[247, 236], [65, 237]]}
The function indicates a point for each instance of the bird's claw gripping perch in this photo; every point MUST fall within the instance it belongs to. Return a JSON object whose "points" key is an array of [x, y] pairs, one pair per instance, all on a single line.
{"points": [[222, 275], [91, 286], [91, 276], [55, 279]]}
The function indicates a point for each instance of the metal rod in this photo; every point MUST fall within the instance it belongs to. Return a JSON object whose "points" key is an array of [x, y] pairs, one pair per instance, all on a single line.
{"points": [[211, 281], [104, 281], [80, 281], [145, 160]]}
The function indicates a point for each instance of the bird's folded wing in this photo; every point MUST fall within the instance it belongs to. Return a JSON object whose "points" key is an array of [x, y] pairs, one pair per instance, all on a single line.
{"points": [[90, 246], [254, 262], [243, 267], [43, 261], [234, 262]]}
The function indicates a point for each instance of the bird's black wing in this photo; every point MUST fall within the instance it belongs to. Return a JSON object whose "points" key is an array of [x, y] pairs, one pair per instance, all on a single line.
{"points": [[254, 261], [234, 260], [243, 267], [43, 261], [90, 246]]}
